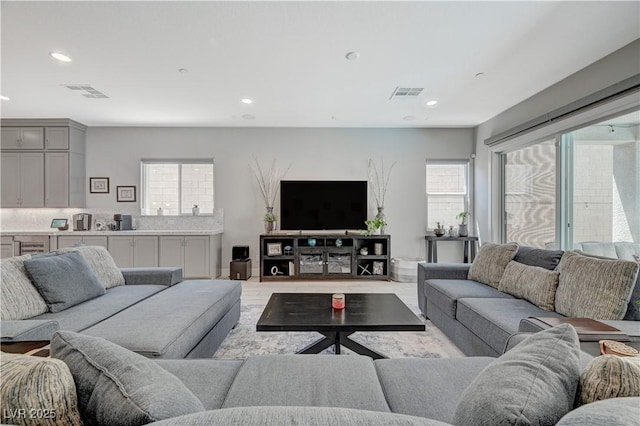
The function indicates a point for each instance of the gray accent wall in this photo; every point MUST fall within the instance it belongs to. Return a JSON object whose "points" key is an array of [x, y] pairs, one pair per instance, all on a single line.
{"points": [[314, 153]]}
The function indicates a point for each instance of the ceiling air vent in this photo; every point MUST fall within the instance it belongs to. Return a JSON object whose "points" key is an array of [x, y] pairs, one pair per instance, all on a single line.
{"points": [[406, 92], [90, 92]]}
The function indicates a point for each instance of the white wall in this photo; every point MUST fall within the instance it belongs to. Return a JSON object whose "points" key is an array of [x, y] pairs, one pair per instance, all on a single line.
{"points": [[616, 67], [329, 154]]}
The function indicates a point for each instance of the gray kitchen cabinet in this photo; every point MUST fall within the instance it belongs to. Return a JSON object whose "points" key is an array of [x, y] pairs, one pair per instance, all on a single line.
{"points": [[22, 179], [56, 138], [6, 246], [22, 137], [134, 251], [89, 240], [190, 252], [56, 179]]}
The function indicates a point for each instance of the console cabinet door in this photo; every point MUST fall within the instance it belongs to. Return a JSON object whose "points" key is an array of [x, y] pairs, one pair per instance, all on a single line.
{"points": [[145, 252], [121, 249], [89, 240], [172, 252], [56, 179], [68, 241], [196, 257]]}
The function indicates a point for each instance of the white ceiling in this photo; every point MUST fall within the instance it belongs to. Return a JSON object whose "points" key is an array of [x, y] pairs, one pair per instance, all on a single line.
{"points": [[290, 58]]}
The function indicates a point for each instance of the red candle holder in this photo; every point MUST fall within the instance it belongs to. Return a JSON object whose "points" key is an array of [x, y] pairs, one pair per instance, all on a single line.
{"points": [[338, 301]]}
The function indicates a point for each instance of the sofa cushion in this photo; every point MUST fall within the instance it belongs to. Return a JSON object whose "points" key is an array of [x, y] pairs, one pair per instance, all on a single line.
{"points": [[43, 387], [409, 382], [534, 383], [101, 263], [300, 380], [494, 320], [117, 386], [594, 288], [19, 298], [295, 416], [445, 293], [610, 412], [547, 259], [609, 376], [64, 280], [195, 306], [491, 261], [627, 251], [535, 284], [91, 312]]}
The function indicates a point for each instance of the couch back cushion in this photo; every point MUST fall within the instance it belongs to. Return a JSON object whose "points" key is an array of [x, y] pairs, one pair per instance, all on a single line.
{"points": [[64, 280], [547, 259], [594, 288], [533, 383], [19, 298], [117, 386], [490, 263], [101, 263], [535, 284]]}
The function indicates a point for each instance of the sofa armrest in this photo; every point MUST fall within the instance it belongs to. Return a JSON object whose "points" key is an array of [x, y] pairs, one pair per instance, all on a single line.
{"points": [[27, 330], [159, 276], [445, 271]]}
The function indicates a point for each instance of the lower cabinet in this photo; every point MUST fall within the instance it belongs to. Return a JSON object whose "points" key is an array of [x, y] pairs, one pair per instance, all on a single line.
{"points": [[89, 240], [190, 252], [134, 252]]}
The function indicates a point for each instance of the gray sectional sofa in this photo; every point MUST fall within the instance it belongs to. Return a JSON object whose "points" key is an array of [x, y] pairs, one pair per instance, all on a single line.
{"points": [[479, 318], [151, 311]]}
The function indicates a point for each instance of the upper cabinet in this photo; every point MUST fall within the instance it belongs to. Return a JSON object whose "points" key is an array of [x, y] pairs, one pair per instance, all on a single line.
{"points": [[59, 176]]}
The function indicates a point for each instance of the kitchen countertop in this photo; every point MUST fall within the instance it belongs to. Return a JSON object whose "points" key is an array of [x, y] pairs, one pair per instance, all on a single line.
{"points": [[56, 233]]}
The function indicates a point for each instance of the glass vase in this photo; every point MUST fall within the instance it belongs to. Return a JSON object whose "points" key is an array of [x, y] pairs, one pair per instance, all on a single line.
{"points": [[381, 216]]}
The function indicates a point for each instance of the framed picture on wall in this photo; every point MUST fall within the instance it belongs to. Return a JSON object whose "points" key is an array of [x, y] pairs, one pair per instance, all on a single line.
{"points": [[99, 185], [126, 194]]}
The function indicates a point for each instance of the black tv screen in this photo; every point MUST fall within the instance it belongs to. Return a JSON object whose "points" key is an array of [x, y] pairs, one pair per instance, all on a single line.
{"points": [[323, 204]]}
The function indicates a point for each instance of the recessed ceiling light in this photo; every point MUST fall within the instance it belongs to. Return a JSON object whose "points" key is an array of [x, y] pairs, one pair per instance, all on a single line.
{"points": [[352, 56], [246, 101], [431, 102], [183, 70], [60, 57], [5, 98], [409, 117]]}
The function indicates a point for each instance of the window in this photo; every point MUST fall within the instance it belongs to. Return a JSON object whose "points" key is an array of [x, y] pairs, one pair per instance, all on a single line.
{"points": [[447, 191], [176, 186]]}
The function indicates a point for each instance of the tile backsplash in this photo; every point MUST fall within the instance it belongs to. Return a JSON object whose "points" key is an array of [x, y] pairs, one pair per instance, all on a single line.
{"points": [[36, 219]]}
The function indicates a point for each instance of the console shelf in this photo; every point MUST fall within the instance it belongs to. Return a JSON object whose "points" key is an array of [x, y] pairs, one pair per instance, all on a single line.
{"points": [[324, 256]]}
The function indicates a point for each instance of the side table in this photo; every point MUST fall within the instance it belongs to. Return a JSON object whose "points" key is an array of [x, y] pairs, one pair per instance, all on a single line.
{"points": [[431, 242]]}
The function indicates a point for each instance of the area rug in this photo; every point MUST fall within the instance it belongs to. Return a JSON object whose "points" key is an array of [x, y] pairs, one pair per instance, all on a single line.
{"points": [[244, 341]]}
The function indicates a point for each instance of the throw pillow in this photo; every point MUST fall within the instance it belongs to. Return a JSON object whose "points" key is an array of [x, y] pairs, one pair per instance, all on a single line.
{"points": [[535, 284], [19, 298], [547, 259], [37, 391], [490, 263], [594, 288], [117, 386], [64, 281], [101, 263], [533, 383], [609, 376]]}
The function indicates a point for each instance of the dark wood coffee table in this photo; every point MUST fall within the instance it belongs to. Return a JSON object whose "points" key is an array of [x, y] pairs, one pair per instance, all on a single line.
{"points": [[313, 312]]}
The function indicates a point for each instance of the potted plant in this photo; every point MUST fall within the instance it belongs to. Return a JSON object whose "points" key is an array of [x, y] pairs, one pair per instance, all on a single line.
{"points": [[463, 230], [270, 222], [374, 226], [195, 210], [269, 184], [379, 181]]}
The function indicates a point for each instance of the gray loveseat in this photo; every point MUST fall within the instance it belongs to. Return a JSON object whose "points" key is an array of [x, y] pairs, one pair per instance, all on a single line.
{"points": [[479, 318], [151, 311]]}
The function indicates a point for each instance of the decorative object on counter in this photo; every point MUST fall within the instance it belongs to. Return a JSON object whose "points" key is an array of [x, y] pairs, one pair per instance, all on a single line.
{"points": [[195, 210], [160, 212], [288, 250], [82, 222], [269, 184], [101, 225], [378, 268], [274, 249], [123, 222], [275, 271], [270, 221], [61, 224], [364, 251], [126, 194], [99, 185], [338, 242], [463, 230], [338, 301], [311, 242], [364, 269], [374, 226], [379, 181], [377, 249], [439, 231]]}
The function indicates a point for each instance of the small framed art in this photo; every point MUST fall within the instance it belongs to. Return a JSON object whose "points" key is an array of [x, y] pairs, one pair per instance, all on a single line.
{"points": [[274, 249], [99, 185], [126, 194]]}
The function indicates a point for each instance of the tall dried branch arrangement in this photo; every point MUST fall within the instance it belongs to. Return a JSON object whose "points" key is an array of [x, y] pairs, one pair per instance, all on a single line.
{"points": [[268, 180], [379, 180]]}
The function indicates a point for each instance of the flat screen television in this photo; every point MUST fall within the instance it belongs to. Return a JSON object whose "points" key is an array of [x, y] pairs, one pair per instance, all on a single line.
{"points": [[323, 204]]}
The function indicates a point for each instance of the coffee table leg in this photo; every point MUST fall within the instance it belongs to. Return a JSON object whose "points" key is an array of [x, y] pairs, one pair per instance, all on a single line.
{"points": [[358, 348], [319, 345]]}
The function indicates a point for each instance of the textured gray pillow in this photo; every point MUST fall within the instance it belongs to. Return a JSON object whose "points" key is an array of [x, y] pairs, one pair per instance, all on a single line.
{"points": [[101, 263], [535, 284], [594, 288], [117, 386], [490, 263], [533, 383], [64, 281], [609, 376], [19, 298]]}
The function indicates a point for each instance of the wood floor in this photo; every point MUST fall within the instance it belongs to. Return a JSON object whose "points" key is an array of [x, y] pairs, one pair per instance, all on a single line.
{"points": [[255, 292]]}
